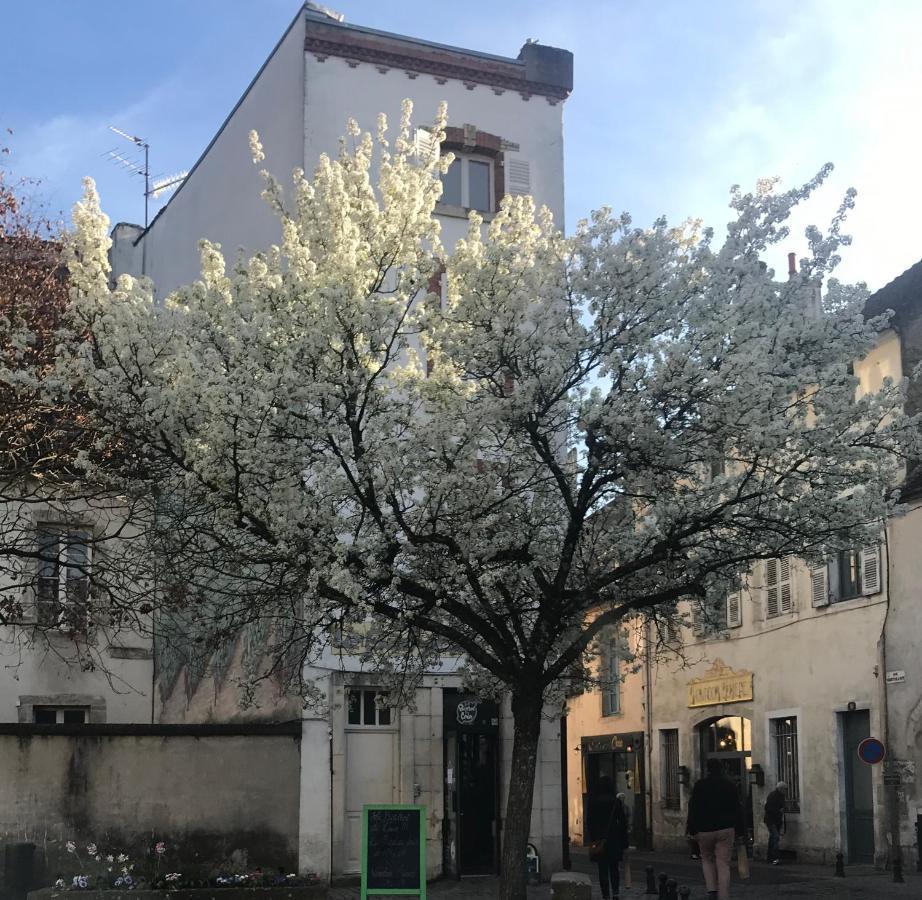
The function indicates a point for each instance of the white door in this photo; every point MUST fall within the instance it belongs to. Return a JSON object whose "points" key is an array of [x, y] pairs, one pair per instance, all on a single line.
{"points": [[369, 779]]}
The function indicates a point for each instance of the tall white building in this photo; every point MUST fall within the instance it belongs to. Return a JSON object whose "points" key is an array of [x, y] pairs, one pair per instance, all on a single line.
{"points": [[506, 130]]}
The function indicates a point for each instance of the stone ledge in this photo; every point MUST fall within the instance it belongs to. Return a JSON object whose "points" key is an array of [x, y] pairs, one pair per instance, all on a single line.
{"points": [[571, 886]]}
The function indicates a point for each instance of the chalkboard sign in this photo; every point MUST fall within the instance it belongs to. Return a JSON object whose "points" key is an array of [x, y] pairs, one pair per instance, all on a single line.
{"points": [[394, 850]]}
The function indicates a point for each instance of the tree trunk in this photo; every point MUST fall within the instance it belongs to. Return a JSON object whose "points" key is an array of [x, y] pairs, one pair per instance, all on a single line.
{"points": [[526, 715]]}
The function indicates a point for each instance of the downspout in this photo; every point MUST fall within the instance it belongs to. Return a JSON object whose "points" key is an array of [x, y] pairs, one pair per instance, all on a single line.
{"points": [[564, 796], [891, 800], [648, 715]]}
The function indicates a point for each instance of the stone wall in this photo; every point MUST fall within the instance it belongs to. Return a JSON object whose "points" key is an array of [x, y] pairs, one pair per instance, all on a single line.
{"points": [[219, 796]]}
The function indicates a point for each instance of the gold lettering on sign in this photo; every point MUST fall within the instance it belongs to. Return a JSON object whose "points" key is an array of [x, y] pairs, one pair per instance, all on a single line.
{"points": [[720, 684]]}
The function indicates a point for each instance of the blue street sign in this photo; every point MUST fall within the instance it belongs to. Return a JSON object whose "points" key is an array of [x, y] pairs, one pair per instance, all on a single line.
{"points": [[871, 751]]}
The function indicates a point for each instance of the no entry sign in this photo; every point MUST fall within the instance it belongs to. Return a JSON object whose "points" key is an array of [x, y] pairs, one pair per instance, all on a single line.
{"points": [[871, 751]]}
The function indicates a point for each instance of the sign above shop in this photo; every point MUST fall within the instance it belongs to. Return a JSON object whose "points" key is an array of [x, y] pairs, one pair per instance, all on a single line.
{"points": [[720, 684]]}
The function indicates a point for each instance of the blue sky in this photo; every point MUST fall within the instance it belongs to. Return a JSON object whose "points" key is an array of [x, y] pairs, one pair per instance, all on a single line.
{"points": [[673, 102]]}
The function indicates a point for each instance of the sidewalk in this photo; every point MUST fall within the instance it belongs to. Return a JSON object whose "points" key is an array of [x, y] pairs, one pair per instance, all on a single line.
{"points": [[767, 882]]}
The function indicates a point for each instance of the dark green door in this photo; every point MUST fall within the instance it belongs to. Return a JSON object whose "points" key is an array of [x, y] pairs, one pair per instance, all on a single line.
{"points": [[859, 798], [477, 804]]}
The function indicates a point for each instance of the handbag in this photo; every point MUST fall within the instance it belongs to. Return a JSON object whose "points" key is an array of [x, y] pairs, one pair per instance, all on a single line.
{"points": [[597, 848]]}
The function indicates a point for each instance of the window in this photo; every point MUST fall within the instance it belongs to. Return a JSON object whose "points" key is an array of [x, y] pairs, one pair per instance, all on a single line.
{"points": [[61, 715], [787, 769], [779, 589], [469, 183], [63, 575], [848, 564], [367, 707], [849, 574], [709, 617], [669, 767], [611, 677]]}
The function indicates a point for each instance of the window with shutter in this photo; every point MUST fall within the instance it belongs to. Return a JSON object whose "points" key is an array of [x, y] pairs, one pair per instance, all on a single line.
{"points": [[734, 609], [424, 145], [611, 674], [772, 607], [518, 176], [785, 584], [779, 587], [870, 569], [819, 585]]}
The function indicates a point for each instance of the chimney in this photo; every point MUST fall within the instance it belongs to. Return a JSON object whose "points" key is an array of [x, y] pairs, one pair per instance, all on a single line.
{"points": [[792, 265]]}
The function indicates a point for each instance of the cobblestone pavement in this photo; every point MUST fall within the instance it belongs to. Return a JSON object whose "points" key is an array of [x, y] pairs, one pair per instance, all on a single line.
{"points": [[767, 882]]}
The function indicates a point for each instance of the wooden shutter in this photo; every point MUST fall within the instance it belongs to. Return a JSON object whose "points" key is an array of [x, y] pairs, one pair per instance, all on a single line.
{"points": [[772, 604], [734, 609], [518, 176], [424, 145], [819, 585], [786, 585], [870, 569]]}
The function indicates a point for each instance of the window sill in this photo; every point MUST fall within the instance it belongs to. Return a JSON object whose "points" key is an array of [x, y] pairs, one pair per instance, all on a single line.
{"points": [[461, 212]]}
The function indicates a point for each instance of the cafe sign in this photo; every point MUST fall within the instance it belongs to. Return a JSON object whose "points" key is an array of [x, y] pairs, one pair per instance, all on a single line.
{"points": [[720, 684]]}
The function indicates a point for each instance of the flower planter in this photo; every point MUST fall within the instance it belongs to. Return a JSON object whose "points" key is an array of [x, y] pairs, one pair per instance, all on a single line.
{"points": [[282, 892]]}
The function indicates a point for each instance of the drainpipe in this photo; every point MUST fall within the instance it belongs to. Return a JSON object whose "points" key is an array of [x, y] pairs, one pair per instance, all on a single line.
{"points": [[564, 795], [891, 800], [648, 715]]}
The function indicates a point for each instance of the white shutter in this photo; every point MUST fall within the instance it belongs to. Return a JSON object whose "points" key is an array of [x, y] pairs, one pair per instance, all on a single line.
{"points": [[518, 176], [697, 621], [424, 145], [771, 588], [734, 609], [819, 585], [786, 584], [870, 569]]}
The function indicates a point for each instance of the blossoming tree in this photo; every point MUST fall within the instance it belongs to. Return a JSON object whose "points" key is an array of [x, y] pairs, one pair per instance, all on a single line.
{"points": [[582, 430]]}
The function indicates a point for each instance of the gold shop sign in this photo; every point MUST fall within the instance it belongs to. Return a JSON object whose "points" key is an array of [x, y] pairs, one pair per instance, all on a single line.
{"points": [[720, 684]]}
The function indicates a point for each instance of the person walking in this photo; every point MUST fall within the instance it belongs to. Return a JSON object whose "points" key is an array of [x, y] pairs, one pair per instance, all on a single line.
{"points": [[774, 821], [608, 824], [715, 819]]}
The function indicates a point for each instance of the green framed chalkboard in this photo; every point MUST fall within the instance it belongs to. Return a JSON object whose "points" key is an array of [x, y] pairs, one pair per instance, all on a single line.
{"points": [[394, 850]]}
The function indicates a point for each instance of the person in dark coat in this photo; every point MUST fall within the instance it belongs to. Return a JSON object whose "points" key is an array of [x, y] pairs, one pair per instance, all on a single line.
{"points": [[608, 822], [774, 821], [715, 820]]}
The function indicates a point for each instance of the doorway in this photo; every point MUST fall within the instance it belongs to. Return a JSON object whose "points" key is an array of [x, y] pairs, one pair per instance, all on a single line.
{"points": [[729, 739], [859, 796], [619, 757], [470, 842]]}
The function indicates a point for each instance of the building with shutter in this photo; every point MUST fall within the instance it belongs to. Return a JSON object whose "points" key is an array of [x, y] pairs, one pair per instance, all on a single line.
{"points": [[452, 752], [784, 679]]}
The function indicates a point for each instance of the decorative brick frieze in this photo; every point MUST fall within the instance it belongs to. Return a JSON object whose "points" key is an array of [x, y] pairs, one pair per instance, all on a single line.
{"points": [[524, 75]]}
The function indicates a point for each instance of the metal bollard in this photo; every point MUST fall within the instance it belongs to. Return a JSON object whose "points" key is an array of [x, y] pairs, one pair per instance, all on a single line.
{"points": [[840, 865], [684, 892], [671, 889], [651, 881], [663, 879]]}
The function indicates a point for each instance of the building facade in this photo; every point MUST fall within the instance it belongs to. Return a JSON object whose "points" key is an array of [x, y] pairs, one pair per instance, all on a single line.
{"points": [[788, 676], [452, 751]]}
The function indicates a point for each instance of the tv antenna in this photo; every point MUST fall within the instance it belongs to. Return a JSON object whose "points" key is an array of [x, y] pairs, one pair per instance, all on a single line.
{"points": [[152, 187]]}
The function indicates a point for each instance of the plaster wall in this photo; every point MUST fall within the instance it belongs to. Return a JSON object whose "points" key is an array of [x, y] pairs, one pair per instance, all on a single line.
{"points": [[336, 90], [904, 661], [109, 670], [585, 719], [220, 199], [811, 664]]}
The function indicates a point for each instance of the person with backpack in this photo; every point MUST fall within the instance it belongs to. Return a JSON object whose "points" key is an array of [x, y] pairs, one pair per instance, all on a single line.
{"points": [[715, 821], [608, 834]]}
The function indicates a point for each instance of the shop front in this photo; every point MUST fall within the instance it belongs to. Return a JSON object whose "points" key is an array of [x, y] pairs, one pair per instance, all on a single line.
{"points": [[619, 757]]}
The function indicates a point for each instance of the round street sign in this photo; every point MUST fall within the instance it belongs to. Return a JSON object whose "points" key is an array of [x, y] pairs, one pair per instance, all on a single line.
{"points": [[871, 751]]}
